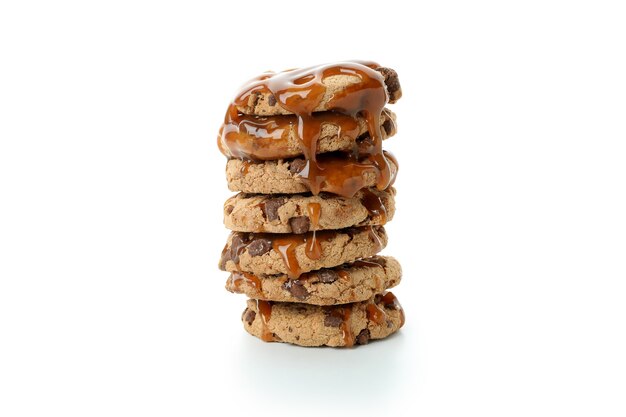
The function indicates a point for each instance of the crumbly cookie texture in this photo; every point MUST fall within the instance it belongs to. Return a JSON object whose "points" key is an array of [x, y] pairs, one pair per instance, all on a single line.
{"points": [[277, 177], [349, 283], [263, 103], [290, 213], [270, 254], [309, 325], [331, 139]]}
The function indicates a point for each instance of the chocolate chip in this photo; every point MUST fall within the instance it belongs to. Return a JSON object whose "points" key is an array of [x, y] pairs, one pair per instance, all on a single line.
{"points": [[271, 207], [333, 321], [327, 276], [236, 244], [363, 338], [299, 224], [249, 316], [259, 246], [229, 209], [296, 289], [271, 100], [378, 298], [297, 165]]}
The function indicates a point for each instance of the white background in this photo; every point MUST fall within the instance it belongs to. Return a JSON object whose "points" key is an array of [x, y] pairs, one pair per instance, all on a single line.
{"points": [[510, 226]]}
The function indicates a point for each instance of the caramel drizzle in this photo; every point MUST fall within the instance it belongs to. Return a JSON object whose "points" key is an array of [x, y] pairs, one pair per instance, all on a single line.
{"points": [[313, 248], [286, 246], [375, 314], [236, 279], [301, 92], [345, 314], [391, 302], [374, 205], [265, 310]]}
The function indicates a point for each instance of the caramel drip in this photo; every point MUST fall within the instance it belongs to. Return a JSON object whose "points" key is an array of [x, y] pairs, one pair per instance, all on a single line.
{"points": [[245, 166], [344, 313], [374, 205], [375, 238], [301, 92], [391, 302], [265, 310], [341, 174], [375, 314], [237, 278], [313, 248], [287, 248], [286, 245]]}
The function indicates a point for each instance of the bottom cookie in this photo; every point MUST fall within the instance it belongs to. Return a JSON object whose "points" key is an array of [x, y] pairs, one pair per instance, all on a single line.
{"points": [[311, 325]]}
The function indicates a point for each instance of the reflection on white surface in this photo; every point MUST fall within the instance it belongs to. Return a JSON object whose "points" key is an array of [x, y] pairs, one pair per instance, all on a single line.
{"points": [[282, 375]]}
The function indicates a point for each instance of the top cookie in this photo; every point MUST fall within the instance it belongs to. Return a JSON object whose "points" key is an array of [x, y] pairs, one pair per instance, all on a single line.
{"points": [[324, 87]]}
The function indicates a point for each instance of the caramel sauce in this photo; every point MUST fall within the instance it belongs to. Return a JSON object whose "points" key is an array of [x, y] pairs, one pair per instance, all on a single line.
{"points": [[286, 245], [375, 238], [265, 310], [301, 91], [344, 175], [374, 205], [375, 314], [344, 313], [313, 247], [233, 284], [390, 301]]}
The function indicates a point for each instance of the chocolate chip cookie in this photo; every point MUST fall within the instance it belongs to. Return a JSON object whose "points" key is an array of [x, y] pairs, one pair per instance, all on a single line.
{"points": [[301, 213], [348, 283], [311, 325], [289, 176], [276, 137], [293, 255]]}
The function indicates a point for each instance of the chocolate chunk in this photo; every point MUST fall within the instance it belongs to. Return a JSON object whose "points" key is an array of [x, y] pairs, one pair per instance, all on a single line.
{"points": [[333, 321], [271, 207], [378, 298], [271, 100], [392, 82], [229, 209], [299, 224], [327, 276], [363, 338], [296, 289], [248, 316], [297, 165], [259, 246], [237, 243]]}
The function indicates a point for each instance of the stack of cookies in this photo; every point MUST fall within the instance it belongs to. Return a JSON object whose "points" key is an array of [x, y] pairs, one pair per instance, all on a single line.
{"points": [[304, 151]]}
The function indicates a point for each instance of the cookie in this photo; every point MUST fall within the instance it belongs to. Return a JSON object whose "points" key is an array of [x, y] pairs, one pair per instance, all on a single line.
{"points": [[300, 213], [310, 325], [348, 283], [291, 254], [276, 137], [332, 82], [339, 175]]}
